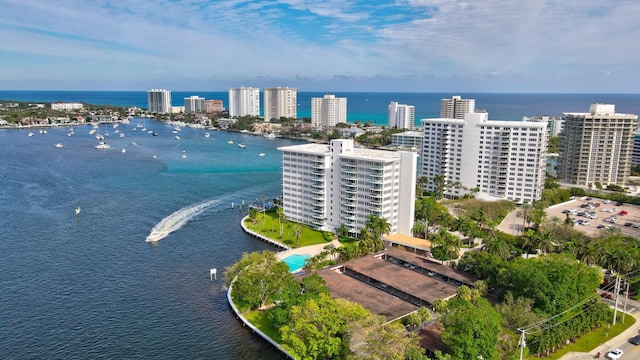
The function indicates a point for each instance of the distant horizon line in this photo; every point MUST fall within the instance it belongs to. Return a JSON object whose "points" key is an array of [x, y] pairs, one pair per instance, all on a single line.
{"points": [[347, 91]]}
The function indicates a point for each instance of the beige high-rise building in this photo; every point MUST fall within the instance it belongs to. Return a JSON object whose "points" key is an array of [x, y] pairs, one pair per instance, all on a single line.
{"points": [[597, 146], [244, 101], [280, 102], [456, 107]]}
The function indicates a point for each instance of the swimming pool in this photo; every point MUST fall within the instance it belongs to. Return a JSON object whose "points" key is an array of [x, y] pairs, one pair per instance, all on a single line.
{"points": [[296, 261]]}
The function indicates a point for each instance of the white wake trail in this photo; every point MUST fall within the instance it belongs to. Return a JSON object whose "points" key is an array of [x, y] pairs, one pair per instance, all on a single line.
{"points": [[178, 219]]}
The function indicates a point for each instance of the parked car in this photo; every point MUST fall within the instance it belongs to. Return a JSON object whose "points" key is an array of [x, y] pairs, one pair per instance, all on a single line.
{"points": [[619, 203], [628, 224], [623, 212], [607, 201], [606, 295], [635, 340], [614, 354]]}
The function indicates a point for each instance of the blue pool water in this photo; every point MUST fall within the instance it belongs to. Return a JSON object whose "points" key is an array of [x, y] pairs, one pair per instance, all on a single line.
{"points": [[296, 261]]}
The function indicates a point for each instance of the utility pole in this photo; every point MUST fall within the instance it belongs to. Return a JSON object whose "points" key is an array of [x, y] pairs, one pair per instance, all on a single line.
{"points": [[617, 290], [626, 297], [522, 343]]}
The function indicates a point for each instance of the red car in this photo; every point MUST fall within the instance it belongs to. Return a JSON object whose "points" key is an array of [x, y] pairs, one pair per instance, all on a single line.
{"points": [[623, 212]]}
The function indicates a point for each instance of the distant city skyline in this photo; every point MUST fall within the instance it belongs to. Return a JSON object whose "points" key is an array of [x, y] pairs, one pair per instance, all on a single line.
{"points": [[573, 46]]}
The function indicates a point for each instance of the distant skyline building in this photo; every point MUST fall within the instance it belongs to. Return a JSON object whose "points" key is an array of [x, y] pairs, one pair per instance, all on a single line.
{"points": [[498, 159], [401, 116], [554, 124], [64, 106], [213, 106], [159, 101], [280, 102], [328, 111], [244, 101], [597, 146], [329, 185], [194, 104], [456, 107]]}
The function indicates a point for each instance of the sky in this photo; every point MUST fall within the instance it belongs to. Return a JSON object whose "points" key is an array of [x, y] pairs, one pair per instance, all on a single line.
{"points": [[529, 46]]}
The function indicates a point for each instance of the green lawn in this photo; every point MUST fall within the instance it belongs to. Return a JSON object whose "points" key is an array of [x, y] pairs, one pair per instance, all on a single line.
{"points": [[259, 320], [589, 341], [268, 225]]}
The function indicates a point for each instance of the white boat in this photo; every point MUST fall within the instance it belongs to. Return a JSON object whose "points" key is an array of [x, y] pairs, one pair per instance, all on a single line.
{"points": [[177, 137], [143, 129], [121, 135], [99, 137], [139, 125], [150, 132], [184, 154], [261, 154], [69, 134], [30, 134], [78, 211], [92, 131], [102, 145], [271, 136], [230, 142], [207, 135], [124, 151], [58, 145], [115, 126], [242, 146]]}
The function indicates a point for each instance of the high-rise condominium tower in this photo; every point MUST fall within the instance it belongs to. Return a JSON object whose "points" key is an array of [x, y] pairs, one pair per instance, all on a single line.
{"points": [[244, 101], [193, 104], [326, 186], [401, 116], [328, 111], [159, 101], [280, 102], [597, 146], [499, 159], [456, 107]]}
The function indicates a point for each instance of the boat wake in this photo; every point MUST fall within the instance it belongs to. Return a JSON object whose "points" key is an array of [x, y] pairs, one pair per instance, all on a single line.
{"points": [[178, 219]]}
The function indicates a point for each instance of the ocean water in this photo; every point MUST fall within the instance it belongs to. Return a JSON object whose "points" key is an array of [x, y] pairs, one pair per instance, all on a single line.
{"points": [[371, 106], [90, 287]]}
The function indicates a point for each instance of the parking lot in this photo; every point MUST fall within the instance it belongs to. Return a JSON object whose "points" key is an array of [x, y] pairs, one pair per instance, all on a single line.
{"points": [[626, 215]]}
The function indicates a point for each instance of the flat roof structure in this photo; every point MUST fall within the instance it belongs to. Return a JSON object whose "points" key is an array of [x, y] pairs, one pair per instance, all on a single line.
{"points": [[430, 266], [375, 300], [398, 280]]}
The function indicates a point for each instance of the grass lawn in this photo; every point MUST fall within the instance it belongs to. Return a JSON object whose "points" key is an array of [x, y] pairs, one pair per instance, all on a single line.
{"points": [[589, 341], [268, 225], [259, 320]]}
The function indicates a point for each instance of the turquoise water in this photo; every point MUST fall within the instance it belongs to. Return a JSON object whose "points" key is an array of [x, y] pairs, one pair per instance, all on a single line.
{"points": [[296, 261]]}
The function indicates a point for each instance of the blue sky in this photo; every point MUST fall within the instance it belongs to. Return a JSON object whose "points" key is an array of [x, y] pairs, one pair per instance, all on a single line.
{"points": [[332, 45]]}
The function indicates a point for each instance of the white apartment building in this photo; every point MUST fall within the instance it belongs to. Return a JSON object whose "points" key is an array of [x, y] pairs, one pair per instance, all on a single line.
{"points": [[193, 104], [244, 101], [554, 124], [456, 107], [401, 116], [499, 159], [159, 101], [328, 111], [280, 102], [61, 106], [597, 146], [409, 140], [326, 186]]}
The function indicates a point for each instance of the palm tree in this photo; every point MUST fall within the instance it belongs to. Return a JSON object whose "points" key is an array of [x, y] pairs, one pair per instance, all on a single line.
{"points": [[296, 232], [253, 215], [545, 242], [421, 182], [494, 245], [439, 184], [282, 219], [378, 225]]}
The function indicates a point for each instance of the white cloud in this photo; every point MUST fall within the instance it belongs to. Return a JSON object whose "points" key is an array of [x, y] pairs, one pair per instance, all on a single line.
{"points": [[441, 40]]}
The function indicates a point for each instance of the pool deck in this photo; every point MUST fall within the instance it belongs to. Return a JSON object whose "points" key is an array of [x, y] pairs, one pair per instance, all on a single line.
{"points": [[310, 250]]}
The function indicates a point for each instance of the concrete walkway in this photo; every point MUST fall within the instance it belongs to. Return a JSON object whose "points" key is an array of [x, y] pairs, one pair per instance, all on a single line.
{"points": [[310, 250], [608, 345]]}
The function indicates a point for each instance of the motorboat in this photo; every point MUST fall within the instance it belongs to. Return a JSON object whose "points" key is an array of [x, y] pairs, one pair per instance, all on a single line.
{"points": [[230, 142], [207, 135], [102, 145], [58, 145], [121, 135], [30, 134], [261, 154], [124, 151], [177, 137], [184, 154], [242, 146]]}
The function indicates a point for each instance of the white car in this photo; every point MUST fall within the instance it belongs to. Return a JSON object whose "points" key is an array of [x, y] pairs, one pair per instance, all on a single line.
{"points": [[614, 354]]}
